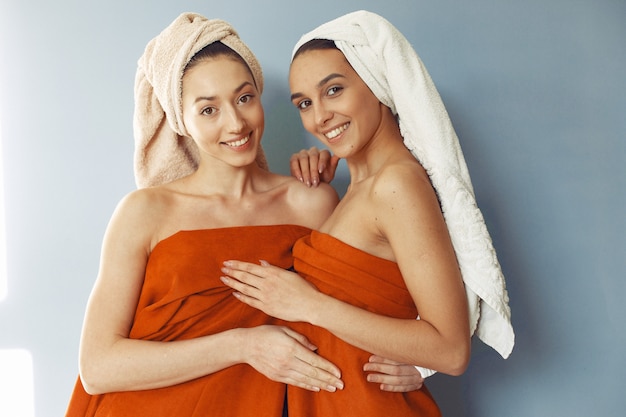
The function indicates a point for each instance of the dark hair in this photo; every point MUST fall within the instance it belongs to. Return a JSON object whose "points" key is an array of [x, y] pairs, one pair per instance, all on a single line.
{"points": [[214, 50], [315, 45]]}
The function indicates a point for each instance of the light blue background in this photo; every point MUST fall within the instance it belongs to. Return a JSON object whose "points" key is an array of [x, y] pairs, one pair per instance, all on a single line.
{"points": [[536, 90]]}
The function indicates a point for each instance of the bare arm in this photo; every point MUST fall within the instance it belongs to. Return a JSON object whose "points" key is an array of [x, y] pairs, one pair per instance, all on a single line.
{"points": [[420, 244], [111, 361], [316, 205]]}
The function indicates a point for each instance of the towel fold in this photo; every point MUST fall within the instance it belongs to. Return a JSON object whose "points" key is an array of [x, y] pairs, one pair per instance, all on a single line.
{"points": [[163, 150], [391, 68]]}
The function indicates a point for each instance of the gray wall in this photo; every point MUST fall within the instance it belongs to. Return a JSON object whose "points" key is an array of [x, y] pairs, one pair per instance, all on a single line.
{"points": [[536, 90]]}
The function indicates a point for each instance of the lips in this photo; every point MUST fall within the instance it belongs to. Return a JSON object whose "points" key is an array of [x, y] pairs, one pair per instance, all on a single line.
{"points": [[237, 143], [336, 132]]}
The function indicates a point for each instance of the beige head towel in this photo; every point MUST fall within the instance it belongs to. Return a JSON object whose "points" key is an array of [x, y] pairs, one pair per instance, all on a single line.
{"points": [[163, 150], [390, 67]]}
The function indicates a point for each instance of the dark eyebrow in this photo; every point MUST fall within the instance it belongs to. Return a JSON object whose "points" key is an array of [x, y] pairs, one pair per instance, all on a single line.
{"points": [[320, 84], [243, 84], [237, 90]]}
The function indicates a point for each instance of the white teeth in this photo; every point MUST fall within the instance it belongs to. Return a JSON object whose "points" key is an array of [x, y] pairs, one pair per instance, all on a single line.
{"points": [[335, 132], [239, 142]]}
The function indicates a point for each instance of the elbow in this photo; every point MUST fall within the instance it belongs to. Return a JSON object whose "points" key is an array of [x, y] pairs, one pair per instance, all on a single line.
{"points": [[90, 385], [458, 368], [91, 378], [458, 359]]}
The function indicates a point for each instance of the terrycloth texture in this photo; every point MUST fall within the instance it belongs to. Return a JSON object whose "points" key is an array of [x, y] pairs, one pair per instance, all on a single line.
{"points": [[390, 67], [368, 282], [183, 298], [163, 150]]}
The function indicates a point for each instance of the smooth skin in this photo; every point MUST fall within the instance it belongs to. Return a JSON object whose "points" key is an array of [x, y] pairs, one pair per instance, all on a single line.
{"points": [[221, 109], [222, 112], [390, 210]]}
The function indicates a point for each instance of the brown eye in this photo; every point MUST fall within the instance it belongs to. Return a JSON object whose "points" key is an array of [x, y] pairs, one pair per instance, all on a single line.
{"points": [[334, 90], [245, 99], [207, 111], [303, 105]]}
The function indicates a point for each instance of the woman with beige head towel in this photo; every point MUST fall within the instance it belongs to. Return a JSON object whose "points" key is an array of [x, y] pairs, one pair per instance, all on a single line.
{"points": [[162, 335]]}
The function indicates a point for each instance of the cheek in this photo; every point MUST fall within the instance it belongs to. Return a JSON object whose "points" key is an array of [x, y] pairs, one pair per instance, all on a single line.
{"points": [[308, 121], [253, 116], [260, 117], [190, 126]]}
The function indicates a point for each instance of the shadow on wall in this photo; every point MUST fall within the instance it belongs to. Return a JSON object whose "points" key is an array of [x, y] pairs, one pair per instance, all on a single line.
{"points": [[284, 134], [488, 372]]}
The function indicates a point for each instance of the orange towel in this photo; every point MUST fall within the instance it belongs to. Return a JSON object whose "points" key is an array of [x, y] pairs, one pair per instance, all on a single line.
{"points": [[183, 297], [366, 281]]}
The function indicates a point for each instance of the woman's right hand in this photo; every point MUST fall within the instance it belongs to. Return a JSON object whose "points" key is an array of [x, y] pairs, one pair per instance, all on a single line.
{"points": [[286, 356], [313, 165]]}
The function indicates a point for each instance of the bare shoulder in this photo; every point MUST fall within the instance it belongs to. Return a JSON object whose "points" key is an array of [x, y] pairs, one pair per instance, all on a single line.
{"points": [[404, 184], [138, 215], [408, 212], [141, 203], [324, 195], [314, 203]]}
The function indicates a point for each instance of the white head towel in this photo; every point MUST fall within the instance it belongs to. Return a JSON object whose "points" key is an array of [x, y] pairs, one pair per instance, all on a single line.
{"points": [[163, 150], [390, 67]]}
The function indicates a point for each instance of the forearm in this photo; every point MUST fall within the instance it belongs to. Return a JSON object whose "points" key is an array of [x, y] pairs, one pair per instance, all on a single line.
{"points": [[129, 364], [439, 341], [404, 340]]}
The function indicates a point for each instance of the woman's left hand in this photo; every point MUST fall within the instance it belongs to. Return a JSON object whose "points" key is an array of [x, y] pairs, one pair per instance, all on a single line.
{"points": [[393, 376], [273, 290]]}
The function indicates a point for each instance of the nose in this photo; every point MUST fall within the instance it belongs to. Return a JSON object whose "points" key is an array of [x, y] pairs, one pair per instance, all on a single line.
{"points": [[234, 120], [322, 114]]}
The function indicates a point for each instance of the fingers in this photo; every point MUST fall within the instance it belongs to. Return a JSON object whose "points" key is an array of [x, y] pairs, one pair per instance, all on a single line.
{"points": [[309, 375], [315, 361], [295, 166], [302, 339], [375, 359], [246, 285], [303, 165], [328, 173], [395, 384], [250, 268], [323, 160], [313, 370], [393, 376], [248, 277], [312, 165], [309, 370]]}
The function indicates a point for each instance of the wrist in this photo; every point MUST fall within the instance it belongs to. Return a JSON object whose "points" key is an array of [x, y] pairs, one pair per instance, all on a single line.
{"points": [[320, 304], [239, 345]]}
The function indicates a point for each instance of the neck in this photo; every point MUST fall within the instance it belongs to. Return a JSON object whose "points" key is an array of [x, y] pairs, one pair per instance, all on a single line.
{"points": [[215, 177], [384, 144]]}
